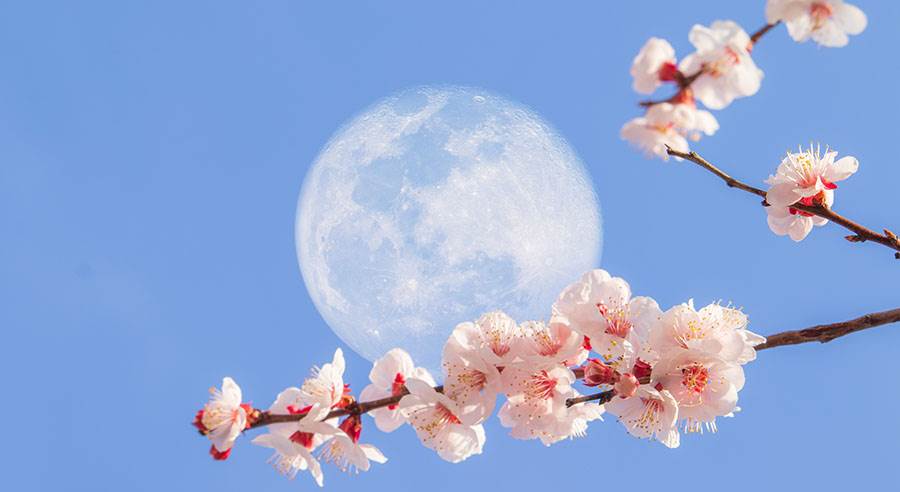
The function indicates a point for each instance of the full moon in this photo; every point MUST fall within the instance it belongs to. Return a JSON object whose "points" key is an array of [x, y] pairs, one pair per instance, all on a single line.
{"points": [[435, 205]]}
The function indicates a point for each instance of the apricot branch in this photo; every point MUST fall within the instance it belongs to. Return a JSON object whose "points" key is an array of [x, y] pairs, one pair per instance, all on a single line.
{"points": [[860, 232], [818, 333]]}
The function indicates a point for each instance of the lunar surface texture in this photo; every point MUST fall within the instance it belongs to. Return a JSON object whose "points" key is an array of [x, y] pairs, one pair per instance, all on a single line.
{"points": [[434, 206]]}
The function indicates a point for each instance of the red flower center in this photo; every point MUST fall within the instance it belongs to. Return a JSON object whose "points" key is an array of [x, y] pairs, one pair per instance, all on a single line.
{"points": [[444, 416], [616, 324], [811, 201], [540, 386], [695, 378]]}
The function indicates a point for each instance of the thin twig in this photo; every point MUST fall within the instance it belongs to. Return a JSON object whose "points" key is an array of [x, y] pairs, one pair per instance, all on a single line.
{"points": [[860, 232], [761, 32], [602, 397]]}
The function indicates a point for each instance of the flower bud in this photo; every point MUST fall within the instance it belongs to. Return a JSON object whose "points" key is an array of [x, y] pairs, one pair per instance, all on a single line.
{"points": [[627, 385], [597, 373]]}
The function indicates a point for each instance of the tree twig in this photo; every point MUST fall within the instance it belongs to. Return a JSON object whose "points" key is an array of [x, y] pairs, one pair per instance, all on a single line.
{"points": [[860, 232], [827, 333], [754, 38], [602, 397]]}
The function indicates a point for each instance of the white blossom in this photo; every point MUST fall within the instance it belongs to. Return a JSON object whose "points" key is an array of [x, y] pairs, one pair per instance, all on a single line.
{"points": [[807, 177], [650, 413], [601, 308], [807, 173], [827, 22], [492, 338], [653, 136], [294, 442], [223, 418], [536, 405], [441, 424], [669, 125], [388, 376], [471, 382], [653, 65], [326, 385], [290, 457], [345, 451], [723, 56], [543, 344], [715, 330], [705, 386]]}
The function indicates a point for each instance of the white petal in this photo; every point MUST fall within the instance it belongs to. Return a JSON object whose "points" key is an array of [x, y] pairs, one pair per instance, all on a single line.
{"points": [[842, 169], [372, 392], [231, 392], [850, 18], [373, 453], [783, 195], [830, 35], [800, 228], [338, 361], [421, 389], [388, 420]]}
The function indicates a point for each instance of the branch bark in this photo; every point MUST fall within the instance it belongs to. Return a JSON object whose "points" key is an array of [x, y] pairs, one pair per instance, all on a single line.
{"points": [[827, 333], [601, 398], [860, 232]]}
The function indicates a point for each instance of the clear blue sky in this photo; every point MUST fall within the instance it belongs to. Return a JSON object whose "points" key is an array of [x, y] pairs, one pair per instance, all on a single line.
{"points": [[150, 160]]}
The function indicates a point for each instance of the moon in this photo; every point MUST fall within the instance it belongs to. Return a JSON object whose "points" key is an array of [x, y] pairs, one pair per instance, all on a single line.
{"points": [[435, 205]]}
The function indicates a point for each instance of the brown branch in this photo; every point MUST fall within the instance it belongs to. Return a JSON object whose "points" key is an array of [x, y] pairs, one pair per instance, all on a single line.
{"points": [[827, 333], [860, 232], [684, 81], [602, 397]]}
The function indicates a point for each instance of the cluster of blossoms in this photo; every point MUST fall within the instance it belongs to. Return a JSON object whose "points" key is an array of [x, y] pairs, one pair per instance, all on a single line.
{"points": [[660, 373], [721, 70]]}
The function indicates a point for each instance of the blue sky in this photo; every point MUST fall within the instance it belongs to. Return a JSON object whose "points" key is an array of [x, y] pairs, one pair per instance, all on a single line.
{"points": [[150, 160]]}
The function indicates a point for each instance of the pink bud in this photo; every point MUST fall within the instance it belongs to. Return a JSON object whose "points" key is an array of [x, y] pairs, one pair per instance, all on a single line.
{"points": [[597, 373], [641, 369], [627, 385]]}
